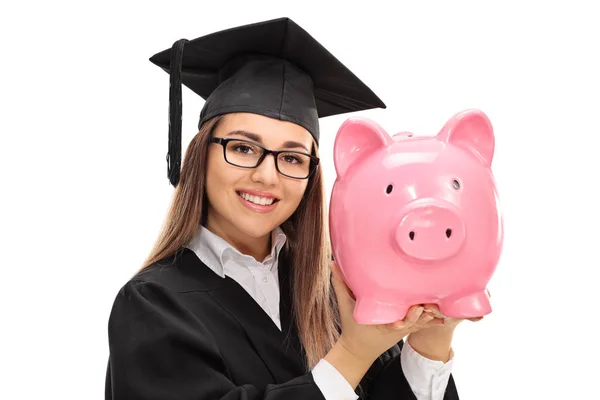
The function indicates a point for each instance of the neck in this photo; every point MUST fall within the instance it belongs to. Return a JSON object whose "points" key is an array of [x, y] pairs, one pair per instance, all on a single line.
{"points": [[257, 247]]}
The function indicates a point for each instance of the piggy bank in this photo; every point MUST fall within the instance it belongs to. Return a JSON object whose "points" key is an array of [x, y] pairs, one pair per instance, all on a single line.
{"points": [[416, 219]]}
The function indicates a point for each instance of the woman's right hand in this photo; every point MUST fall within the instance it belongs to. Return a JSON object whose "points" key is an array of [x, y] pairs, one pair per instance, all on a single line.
{"points": [[367, 342]]}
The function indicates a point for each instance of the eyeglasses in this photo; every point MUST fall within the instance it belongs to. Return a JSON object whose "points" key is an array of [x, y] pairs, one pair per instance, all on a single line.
{"points": [[246, 154]]}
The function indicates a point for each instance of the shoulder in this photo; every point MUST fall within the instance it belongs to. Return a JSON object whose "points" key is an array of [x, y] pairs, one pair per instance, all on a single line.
{"points": [[180, 272], [163, 287], [149, 312]]}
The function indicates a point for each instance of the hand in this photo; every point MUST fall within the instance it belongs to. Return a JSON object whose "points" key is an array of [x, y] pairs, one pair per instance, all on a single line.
{"points": [[448, 322], [367, 342], [436, 343]]}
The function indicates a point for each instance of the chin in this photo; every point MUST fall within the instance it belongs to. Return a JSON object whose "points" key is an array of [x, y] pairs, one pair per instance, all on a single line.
{"points": [[260, 223], [254, 228]]}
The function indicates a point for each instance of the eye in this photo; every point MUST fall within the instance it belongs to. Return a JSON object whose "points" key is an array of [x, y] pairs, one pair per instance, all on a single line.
{"points": [[243, 149], [389, 189], [291, 159], [456, 184]]}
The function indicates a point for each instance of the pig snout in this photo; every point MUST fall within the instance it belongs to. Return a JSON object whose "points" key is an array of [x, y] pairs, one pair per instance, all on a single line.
{"points": [[431, 231]]}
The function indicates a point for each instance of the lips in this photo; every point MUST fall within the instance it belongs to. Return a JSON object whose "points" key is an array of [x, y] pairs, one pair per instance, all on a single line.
{"points": [[258, 198]]}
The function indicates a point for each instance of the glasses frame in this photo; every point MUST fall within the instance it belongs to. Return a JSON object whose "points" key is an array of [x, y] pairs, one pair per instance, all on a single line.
{"points": [[314, 161]]}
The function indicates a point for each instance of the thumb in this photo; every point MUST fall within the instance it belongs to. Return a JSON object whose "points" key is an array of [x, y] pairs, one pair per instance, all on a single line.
{"points": [[342, 291]]}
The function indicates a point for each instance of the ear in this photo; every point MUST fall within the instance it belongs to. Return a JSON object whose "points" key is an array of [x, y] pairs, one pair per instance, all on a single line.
{"points": [[356, 138], [471, 130]]}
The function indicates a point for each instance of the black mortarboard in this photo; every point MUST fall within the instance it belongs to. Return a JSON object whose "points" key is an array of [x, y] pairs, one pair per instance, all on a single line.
{"points": [[272, 68]]}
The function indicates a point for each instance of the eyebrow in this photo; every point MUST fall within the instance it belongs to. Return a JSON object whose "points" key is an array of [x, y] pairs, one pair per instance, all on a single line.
{"points": [[290, 144]]}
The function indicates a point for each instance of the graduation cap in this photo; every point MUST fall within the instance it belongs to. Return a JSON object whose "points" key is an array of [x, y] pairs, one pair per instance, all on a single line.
{"points": [[272, 68]]}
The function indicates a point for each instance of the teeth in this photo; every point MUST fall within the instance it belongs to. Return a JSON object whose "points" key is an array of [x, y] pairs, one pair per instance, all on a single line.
{"points": [[263, 201]]}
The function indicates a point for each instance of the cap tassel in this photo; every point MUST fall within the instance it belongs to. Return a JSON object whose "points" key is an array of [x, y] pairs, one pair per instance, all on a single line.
{"points": [[175, 115]]}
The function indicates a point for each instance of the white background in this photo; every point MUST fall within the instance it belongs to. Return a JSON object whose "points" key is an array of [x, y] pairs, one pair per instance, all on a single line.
{"points": [[84, 183]]}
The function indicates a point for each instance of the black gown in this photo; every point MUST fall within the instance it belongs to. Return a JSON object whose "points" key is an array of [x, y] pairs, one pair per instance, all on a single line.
{"points": [[178, 331]]}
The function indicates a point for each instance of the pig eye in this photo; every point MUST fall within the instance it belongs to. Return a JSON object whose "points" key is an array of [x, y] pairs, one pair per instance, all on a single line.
{"points": [[389, 189], [456, 184]]}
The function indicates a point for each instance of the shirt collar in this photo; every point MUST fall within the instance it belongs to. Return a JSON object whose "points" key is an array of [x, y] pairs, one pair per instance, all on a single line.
{"points": [[214, 251]]}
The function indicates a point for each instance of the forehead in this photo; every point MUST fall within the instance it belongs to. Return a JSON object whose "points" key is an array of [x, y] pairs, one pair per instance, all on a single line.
{"points": [[273, 132]]}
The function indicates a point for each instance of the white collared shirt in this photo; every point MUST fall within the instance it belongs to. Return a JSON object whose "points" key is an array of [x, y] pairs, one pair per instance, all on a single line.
{"points": [[427, 378]]}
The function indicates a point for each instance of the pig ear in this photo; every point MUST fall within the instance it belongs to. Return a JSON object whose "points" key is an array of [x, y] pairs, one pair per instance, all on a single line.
{"points": [[471, 130], [356, 138]]}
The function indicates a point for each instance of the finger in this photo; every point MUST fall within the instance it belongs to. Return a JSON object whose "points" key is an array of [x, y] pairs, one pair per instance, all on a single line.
{"points": [[342, 292], [413, 315], [426, 324], [425, 319], [397, 325], [434, 322], [475, 319], [337, 280], [423, 322], [434, 310]]}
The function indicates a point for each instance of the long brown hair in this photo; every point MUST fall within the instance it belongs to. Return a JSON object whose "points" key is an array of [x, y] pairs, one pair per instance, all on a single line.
{"points": [[313, 308]]}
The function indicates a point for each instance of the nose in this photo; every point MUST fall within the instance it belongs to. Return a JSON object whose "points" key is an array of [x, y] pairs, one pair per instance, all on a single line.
{"points": [[266, 171], [431, 231]]}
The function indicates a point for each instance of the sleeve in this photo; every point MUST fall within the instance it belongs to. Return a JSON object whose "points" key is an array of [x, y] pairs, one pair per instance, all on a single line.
{"points": [[331, 383], [427, 378], [159, 350], [385, 380]]}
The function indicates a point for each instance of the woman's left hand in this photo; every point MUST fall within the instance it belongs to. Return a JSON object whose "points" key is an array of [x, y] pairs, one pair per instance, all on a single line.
{"points": [[435, 340], [448, 322]]}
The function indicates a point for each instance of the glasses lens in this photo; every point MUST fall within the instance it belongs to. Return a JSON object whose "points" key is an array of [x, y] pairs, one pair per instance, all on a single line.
{"points": [[296, 165], [245, 154]]}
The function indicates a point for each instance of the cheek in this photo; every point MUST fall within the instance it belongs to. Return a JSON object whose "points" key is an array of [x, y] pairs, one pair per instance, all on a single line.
{"points": [[295, 192], [218, 176]]}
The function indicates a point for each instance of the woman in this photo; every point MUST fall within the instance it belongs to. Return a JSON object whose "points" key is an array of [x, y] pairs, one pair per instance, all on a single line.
{"points": [[235, 301]]}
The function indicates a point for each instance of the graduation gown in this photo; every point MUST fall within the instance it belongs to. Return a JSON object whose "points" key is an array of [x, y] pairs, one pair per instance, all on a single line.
{"points": [[178, 331]]}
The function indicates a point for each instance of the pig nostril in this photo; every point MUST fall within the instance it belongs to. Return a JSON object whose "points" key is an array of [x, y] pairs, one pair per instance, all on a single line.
{"points": [[448, 233], [411, 235]]}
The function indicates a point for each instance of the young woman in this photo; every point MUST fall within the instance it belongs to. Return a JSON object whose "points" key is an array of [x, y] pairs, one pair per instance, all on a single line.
{"points": [[239, 299]]}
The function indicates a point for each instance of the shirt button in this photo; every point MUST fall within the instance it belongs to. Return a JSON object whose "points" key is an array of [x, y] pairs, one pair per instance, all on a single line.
{"points": [[264, 279]]}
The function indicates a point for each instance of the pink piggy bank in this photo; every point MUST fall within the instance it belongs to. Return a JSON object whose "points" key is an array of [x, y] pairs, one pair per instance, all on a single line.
{"points": [[416, 219]]}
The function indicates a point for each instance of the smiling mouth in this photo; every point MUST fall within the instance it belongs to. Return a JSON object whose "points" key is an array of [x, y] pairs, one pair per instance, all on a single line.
{"points": [[261, 201]]}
